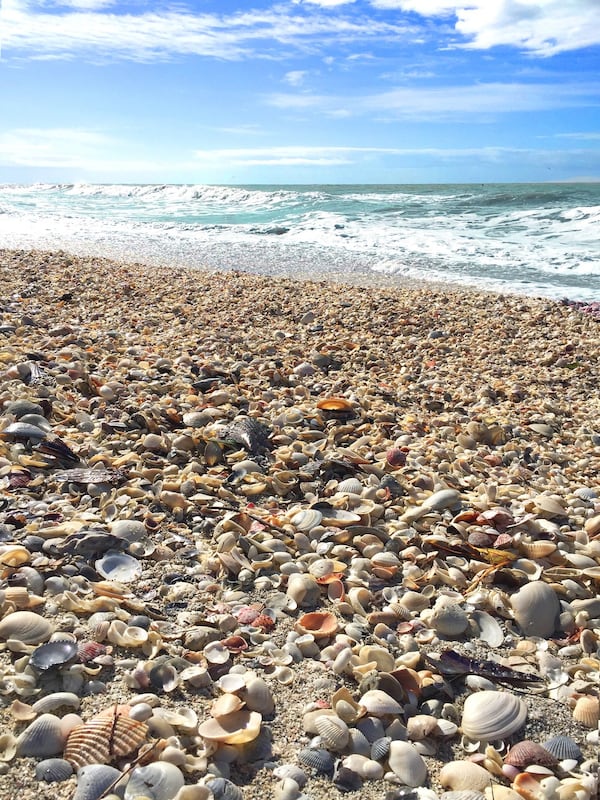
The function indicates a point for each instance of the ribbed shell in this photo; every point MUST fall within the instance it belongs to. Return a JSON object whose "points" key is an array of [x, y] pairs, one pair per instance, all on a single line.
{"points": [[527, 752], [490, 715], [319, 760], [94, 780], [222, 789], [53, 770], [110, 735], [563, 747]]}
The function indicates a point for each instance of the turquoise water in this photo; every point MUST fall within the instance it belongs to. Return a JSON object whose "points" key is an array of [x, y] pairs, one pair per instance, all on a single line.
{"points": [[536, 239]]}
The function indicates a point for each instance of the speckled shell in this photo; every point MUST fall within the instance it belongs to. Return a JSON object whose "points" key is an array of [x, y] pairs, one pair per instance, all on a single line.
{"points": [[527, 752], [158, 781], [27, 627], [53, 770], [491, 715], [107, 736]]}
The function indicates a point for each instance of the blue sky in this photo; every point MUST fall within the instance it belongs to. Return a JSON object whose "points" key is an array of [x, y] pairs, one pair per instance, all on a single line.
{"points": [[307, 91]]}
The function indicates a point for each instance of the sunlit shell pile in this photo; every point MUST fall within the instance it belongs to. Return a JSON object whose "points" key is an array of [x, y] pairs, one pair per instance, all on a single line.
{"points": [[271, 539]]}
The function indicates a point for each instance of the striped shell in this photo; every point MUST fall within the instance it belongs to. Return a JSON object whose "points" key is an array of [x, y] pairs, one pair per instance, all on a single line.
{"points": [[94, 780], [26, 626], [45, 736], [380, 748], [333, 731], [586, 710], [53, 770], [491, 715], [350, 486], [107, 736], [319, 760], [158, 781], [527, 752], [563, 747]]}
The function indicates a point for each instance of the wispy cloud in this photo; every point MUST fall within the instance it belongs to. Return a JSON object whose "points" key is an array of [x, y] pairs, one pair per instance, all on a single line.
{"points": [[543, 27], [442, 102], [50, 147], [295, 77]]}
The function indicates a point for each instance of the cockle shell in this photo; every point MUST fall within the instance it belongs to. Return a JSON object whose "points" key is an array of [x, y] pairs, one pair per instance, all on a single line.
{"points": [[563, 747], [223, 789], [27, 627], [107, 736], [158, 781], [45, 736], [447, 619], [490, 715], [53, 655], [526, 752], [94, 780], [536, 609], [339, 404], [407, 764], [333, 732], [350, 486], [53, 770], [318, 759], [586, 710]]}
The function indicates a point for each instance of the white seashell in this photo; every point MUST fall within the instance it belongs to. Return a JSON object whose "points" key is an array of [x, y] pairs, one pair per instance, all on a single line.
{"points": [[26, 627], [157, 781], [216, 653], [306, 519], [463, 775], [117, 566], [193, 792], [489, 629], [259, 697], [420, 726], [333, 732], [447, 619], [378, 703], [303, 589], [236, 728], [94, 780], [489, 715], [350, 486], [291, 771], [407, 764], [44, 737], [536, 609], [56, 700], [8, 747], [366, 767]]}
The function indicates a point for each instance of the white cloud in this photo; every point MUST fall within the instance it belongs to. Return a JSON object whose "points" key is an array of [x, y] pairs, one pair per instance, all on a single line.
{"points": [[164, 33], [543, 27], [37, 147], [295, 77], [449, 101]]}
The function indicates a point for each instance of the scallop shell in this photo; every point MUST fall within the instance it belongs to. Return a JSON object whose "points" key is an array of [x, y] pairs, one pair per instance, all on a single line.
{"points": [[350, 486], [117, 566], [586, 711], [563, 747], [317, 759], [107, 736], [333, 732], [321, 624], [527, 752], [93, 781], [236, 728], [536, 609], [379, 703], [405, 762], [27, 627], [158, 781], [54, 655], [53, 770], [490, 715], [45, 736], [380, 748]]}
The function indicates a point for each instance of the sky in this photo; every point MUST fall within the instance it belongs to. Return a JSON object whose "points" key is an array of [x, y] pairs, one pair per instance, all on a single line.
{"points": [[299, 91]]}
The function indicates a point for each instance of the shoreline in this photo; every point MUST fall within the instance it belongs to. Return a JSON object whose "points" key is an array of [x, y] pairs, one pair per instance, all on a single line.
{"points": [[490, 398]]}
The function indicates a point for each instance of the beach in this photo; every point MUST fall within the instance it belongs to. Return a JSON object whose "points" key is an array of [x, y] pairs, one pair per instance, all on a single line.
{"points": [[199, 469]]}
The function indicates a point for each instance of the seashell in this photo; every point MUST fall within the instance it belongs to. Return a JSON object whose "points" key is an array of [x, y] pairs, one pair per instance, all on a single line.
{"points": [[23, 712], [94, 780], [291, 771], [107, 736], [338, 517], [56, 700], [336, 404], [54, 655], [364, 766], [164, 676], [527, 752], [447, 619], [238, 727], [379, 703], [306, 519], [461, 776], [395, 457], [489, 629], [407, 764], [349, 486], [541, 548], [549, 507], [318, 759], [586, 710], [333, 732], [226, 704], [420, 726], [536, 609], [45, 736], [562, 747], [8, 747], [345, 706], [259, 697], [26, 626], [216, 653], [53, 770], [346, 780], [466, 794], [380, 748], [193, 792], [117, 566], [158, 781], [303, 589], [222, 789], [320, 624], [490, 715]]}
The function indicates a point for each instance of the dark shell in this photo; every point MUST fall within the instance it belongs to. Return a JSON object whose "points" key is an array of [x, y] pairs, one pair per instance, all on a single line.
{"points": [[380, 748], [93, 781], [346, 780], [222, 789], [23, 431], [317, 759], [52, 770], [54, 655], [527, 752], [563, 747]]}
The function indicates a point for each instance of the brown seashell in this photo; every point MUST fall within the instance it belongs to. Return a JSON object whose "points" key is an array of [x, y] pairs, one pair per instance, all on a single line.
{"points": [[527, 752], [335, 404], [320, 624], [104, 738], [586, 710]]}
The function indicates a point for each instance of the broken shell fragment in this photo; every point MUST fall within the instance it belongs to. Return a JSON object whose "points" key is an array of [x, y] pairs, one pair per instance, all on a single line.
{"points": [[238, 727]]}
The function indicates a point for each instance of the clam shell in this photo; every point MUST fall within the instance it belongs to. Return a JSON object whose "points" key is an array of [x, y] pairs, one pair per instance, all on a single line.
{"points": [[306, 519], [158, 781], [536, 609], [259, 697], [448, 619], [8, 747], [464, 775], [490, 715], [27, 627], [489, 629], [350, 486], [379, 703], [117, 566], [56, 700], [53, 770], [318, 759], [94, 780], [407, 764], [335, 404], [45, 736], [238, 727], [107, 736], [321, 624], [54, 655]]}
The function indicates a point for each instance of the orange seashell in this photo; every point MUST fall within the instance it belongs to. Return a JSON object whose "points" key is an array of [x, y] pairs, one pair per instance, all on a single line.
{"points": [[332, 577], [104, 738], [235, 644], [527, 786], [587, 710], [335, 404], [320, 623]]}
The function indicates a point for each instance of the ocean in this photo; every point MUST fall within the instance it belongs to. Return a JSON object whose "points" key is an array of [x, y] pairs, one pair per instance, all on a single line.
{"points": [[531, 239]]}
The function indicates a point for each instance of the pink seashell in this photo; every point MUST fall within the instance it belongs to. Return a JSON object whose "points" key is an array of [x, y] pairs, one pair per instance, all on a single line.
{"points": [[395, 457]]}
